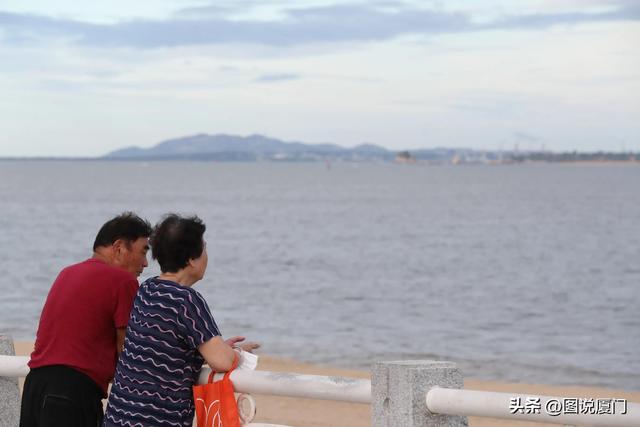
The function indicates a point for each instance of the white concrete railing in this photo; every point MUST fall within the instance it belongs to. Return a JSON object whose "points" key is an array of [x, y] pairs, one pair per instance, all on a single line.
{"points": [[298, 385], [14, 366], [499, 405], [394, 393], [258, 382]]}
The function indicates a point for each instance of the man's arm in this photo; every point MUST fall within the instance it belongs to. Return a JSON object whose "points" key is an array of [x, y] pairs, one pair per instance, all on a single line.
{"points": [[120, 333]]}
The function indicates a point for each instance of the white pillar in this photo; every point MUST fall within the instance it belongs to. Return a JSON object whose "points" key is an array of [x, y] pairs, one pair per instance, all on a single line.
{"points": [[398, 391], [9, 391]]}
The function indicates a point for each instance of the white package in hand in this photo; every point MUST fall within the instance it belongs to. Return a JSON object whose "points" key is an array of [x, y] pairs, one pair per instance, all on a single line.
{"points": [[247, 360]]}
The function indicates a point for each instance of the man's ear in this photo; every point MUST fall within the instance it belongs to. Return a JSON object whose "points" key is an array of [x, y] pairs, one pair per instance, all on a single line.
{"points": [[118, 246]]}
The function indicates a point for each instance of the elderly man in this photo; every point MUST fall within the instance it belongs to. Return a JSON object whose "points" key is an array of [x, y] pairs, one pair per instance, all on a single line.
{"points": [[82, 329]]}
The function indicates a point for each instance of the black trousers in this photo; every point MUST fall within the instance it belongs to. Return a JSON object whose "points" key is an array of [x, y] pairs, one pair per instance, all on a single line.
{"points": [[59, 396]]}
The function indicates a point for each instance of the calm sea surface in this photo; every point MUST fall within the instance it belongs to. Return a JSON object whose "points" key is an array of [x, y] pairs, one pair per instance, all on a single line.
{"points": [[520, 273]]}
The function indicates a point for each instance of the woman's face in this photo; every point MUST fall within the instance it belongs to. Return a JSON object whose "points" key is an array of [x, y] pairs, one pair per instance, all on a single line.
{"points": [[200, 263]]}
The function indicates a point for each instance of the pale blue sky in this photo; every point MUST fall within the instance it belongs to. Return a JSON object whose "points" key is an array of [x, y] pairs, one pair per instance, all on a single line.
{"points": [[84, 79]]}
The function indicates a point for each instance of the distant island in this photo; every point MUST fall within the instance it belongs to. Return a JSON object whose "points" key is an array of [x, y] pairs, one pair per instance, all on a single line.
{"points": [[253, 148], [223, 147], [259, 148]]}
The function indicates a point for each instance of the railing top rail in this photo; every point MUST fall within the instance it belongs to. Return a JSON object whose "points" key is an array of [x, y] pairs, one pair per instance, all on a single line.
{"points": [[14, 366], [260, 382], [322, 387], [497, 405]]}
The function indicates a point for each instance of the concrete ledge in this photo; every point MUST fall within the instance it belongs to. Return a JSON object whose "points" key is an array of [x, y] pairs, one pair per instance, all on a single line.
{"points": [[9, 391]]}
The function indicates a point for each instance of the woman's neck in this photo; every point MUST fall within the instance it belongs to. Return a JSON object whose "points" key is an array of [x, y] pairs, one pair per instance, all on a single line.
{"points": [[181, 277]]}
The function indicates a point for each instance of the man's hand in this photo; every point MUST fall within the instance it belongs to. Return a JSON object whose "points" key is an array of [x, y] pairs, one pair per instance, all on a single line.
{"points": [[120, 334]]}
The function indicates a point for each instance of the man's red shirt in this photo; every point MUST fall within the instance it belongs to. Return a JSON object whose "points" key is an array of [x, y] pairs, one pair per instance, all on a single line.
{"points": [[86, 304]]}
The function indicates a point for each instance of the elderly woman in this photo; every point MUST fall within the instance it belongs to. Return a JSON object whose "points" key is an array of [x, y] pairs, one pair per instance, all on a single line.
{"points": [[170, 334]]}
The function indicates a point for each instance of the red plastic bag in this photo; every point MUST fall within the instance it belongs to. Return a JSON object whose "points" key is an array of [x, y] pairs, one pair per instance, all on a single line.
{"points": [[215, 402]]}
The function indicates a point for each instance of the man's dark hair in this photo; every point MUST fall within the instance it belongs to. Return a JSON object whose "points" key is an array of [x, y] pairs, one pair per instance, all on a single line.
{"points": [[126, 226], [176, 240]]}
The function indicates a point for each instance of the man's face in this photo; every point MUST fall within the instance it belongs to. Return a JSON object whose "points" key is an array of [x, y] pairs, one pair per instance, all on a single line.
{"points": [[133, 256]]}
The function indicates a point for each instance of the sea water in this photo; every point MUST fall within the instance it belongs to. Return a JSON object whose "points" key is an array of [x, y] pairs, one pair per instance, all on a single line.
{"points": [[516, 272]]}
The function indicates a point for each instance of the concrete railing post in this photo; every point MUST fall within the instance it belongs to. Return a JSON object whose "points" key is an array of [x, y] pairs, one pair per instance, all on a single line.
{"points": [[398, 393], [9, 391]]}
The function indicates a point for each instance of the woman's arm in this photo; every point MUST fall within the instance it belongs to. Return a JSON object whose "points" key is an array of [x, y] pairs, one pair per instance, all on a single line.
{"points": [[218, 354]]}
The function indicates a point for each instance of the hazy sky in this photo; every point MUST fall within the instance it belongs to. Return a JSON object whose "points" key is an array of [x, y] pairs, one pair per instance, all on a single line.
{"points": [[82, 79]]}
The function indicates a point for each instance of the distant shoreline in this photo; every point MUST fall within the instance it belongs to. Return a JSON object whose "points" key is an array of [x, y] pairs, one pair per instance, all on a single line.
{"points": [[260, 148], [336, 161]]}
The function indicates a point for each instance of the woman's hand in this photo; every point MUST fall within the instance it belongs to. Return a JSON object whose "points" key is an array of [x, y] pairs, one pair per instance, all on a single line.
{"points": [[233, 341], [248, 346]]}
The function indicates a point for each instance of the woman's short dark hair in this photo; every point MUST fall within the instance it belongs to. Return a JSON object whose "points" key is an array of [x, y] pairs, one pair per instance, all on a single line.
{"points": [[176, 240], [127, 226]]}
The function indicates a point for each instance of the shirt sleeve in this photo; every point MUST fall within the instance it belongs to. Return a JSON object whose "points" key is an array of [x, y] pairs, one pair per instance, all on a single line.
{"points": [[125, 294], [197, 320]]}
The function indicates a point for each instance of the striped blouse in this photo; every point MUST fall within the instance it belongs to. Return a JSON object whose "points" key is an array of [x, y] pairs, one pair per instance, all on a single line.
{"points": [[160, 362]]}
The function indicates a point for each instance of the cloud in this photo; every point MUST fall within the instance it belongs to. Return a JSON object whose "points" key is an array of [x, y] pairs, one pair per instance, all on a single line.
{"points": [[543, 21], [491, 104], [526, 137], [23, 27], [270, 78], [358, 22], [226, 8], [204, 11]]}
